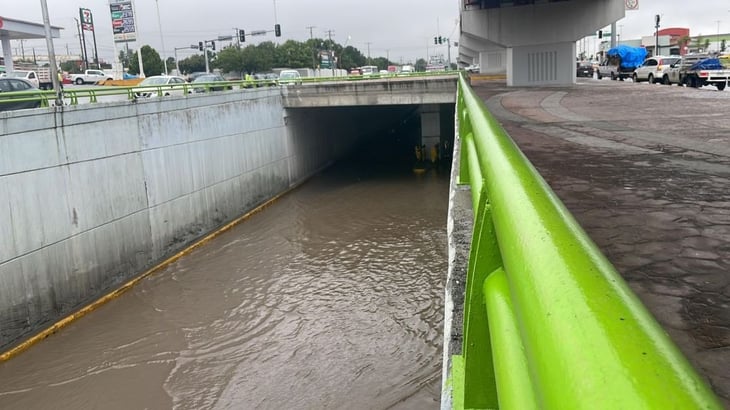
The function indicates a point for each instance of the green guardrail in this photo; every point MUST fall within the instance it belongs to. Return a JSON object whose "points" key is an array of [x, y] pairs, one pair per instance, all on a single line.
{"points": [[73, 96], [548, 322]]}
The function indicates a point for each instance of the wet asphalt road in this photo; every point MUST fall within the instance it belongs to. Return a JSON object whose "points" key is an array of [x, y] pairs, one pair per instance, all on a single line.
{"points": [[645, 168]]}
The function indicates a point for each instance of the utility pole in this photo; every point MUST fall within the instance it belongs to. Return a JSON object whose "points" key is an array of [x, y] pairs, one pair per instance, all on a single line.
{"points": [[81, 44], [51, 54], [96, 51], [162, 38], [448, 53], [314, 49], [330, 53], [656, 35]]}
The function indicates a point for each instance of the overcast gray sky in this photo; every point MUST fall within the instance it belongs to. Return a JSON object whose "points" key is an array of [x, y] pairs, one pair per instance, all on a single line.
{"points": [[401, 29]]}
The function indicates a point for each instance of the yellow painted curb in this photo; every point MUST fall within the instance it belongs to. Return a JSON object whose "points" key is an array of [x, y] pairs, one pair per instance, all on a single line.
{"points": [[487, 77], [130, 284]]}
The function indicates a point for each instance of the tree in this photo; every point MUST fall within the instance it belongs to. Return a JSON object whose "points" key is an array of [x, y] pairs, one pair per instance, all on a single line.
{"points": [[171, 63], [292, 54], [381, 62], [192, 64], [70, 66], [124, 57], [260, 58], [421, 65], [350, 57], [230, 60], [683, 42], [707, 44], [150, 59]]}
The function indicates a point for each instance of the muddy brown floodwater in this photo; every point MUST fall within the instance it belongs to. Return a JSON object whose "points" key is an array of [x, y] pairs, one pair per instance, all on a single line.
{"points": [[330, 298]]}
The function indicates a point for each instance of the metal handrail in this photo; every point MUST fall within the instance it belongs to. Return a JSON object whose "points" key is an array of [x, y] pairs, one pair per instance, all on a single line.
{"points": [[92, 94], [548, 321]]}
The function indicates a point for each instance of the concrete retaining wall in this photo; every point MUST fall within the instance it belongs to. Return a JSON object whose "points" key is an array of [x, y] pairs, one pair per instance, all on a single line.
{"points": [[92, 195]]}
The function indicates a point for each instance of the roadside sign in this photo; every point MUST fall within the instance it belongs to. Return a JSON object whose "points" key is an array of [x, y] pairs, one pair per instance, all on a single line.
{"points": [[123, 23]]}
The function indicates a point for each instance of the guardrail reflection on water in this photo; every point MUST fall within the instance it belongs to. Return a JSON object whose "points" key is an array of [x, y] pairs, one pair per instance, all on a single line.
{"points": [[548, 322]]}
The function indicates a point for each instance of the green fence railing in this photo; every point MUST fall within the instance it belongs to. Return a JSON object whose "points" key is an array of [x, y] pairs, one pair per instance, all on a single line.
{"points": [[74, 96], [548, 322]]}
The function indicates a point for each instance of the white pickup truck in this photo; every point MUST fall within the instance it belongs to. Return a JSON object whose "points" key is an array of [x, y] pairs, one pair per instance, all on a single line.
{"points": [[38, 76], [688, 72], [89, 77]]}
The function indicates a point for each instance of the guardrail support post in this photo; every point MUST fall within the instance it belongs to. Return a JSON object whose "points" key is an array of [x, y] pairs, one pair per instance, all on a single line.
{"points": [[479, 384]]}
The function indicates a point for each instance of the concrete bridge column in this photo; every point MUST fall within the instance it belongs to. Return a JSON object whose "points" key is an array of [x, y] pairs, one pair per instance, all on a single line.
{"points": [[543, 64], [430, 125], [7, 54], [491, 57], [539, 36]]}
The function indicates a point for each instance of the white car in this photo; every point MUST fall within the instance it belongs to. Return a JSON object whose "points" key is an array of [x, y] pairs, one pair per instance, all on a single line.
{"points": [[161, 85], [290, 77], [652, 69]]}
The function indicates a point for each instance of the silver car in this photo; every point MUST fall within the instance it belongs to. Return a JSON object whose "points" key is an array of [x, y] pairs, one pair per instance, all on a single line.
{"points": [[652, 69], [161, 85]]}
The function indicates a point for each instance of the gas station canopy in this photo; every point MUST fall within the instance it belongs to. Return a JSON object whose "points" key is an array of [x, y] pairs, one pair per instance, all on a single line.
{"points": [[23, 30], [11, 29]]}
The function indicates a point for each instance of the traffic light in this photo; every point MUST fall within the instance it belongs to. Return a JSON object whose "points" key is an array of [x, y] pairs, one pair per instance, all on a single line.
{"points": [[200, 45], [600, 33], [441, 40], [212, 45], [241, 36], [277, 30], [435, 40]]}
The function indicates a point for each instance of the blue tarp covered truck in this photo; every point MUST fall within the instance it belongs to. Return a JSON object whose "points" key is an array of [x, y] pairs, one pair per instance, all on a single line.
{"points": [[621, 61], [697, 70]]}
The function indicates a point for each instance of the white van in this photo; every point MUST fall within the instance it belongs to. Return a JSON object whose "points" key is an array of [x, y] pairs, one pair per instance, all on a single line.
{"points": [[407, 69], [369, 70]]}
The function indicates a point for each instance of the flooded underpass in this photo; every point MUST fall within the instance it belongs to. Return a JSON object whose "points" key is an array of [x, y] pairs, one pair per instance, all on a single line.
{"points": [[331, 297]]}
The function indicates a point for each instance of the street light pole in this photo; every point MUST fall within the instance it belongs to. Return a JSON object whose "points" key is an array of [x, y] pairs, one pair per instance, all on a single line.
{"points": [[162, 38], [51, 53], [656, 35]]}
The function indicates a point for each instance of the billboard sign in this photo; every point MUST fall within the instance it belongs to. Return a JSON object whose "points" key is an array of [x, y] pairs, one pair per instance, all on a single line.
{"points": [[87, 20], [123, 24]]}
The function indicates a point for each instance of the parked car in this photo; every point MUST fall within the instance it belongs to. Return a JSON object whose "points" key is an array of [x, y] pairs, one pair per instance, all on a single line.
{"points": [[9, 84], [161, 85], [287, 77], [200, 87], [584, 69], [89, 77], [652, 69], [192, 76], [265, 79]]}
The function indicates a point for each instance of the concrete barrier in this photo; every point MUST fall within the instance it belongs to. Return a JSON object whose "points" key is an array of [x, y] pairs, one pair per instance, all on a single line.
{"points": [[95, 194]]}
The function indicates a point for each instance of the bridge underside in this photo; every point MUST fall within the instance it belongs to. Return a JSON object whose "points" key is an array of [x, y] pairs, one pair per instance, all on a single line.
{"points": [[532, 41]]}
